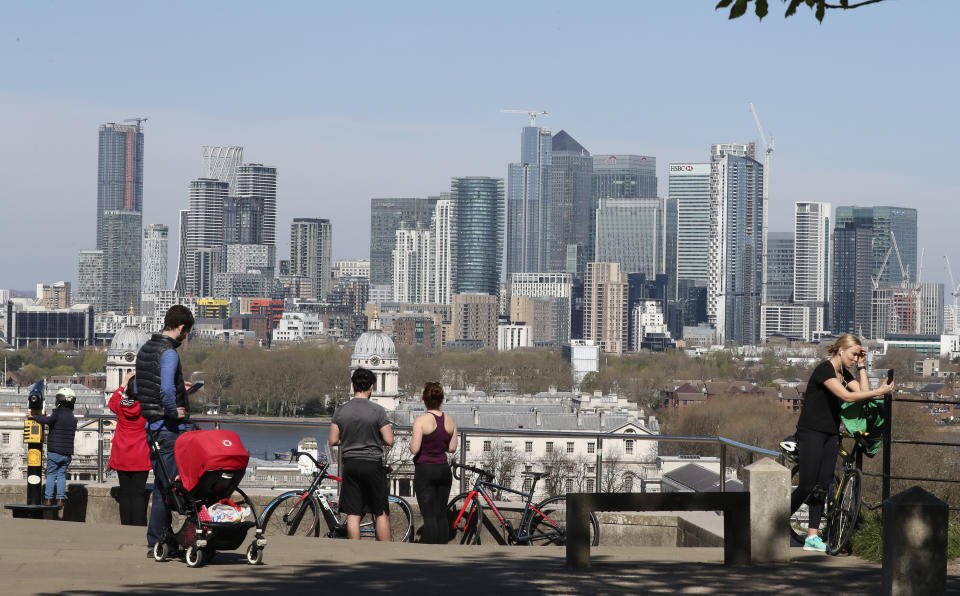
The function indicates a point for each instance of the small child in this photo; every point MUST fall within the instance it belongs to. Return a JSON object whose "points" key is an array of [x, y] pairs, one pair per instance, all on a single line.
{"points": [[63, 429]]}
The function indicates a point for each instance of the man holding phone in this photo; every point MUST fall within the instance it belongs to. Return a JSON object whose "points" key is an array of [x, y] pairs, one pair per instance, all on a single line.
{"points": [[165, 405]]}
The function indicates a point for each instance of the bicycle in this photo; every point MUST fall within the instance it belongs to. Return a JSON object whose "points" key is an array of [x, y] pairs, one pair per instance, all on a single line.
{"points": [[842, 509], [544, 523], [297, 512]]}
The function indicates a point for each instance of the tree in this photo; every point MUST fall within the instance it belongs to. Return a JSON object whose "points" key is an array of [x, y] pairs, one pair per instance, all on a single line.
{"points": [[557, 468], [612, 471], [738, 8], [502, 462]]}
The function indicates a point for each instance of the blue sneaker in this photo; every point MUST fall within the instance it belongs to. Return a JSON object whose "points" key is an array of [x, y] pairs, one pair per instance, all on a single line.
{"points": [[814, 543]]}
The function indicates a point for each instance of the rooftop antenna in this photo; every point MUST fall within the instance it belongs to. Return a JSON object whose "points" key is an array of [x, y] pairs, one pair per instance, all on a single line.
{"points": [[532, 113]]}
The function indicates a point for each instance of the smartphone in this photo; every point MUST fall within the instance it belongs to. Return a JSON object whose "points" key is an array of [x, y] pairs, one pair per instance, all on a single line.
{"points": [[890, 376], [198, 385]]}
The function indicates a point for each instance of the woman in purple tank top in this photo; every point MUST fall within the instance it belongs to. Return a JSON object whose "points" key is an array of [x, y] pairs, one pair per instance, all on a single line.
{"points": [[434, 435]]}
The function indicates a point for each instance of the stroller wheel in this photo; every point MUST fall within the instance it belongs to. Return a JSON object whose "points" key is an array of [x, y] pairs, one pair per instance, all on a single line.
{"points": [[194, 556], [161, 551], [254, 554]]}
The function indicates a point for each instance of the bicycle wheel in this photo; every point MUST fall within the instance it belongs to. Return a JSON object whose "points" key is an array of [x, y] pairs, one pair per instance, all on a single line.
{"points": [[844, 512], [401, 521], [547, 524], [464, 527], [288, 515], [800, 519]]}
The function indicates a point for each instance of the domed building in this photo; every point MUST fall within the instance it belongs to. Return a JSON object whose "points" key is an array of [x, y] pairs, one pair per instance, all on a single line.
{"points": [[376, 352], [122, 355]]}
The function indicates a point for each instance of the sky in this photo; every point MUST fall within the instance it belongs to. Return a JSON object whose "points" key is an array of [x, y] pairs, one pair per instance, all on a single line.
{"points": [[352, 101]]}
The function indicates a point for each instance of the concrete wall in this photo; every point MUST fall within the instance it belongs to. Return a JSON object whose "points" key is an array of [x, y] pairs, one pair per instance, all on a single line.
{"points": [[96, 504]]}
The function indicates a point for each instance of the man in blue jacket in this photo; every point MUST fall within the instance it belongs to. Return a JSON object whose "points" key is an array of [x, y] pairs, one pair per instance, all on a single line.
{"points": [[63, 429], [165, 406]]}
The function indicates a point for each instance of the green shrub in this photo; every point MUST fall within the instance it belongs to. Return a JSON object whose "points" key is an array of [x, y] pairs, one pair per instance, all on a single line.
{"points": [[867, 540]]}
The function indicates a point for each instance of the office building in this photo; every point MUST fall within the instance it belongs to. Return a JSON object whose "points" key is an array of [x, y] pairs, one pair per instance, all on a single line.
{"points": [[241, 258], [780, 267], [671, 222], [511, 337], [54, 296], [852, 276], [90, 278], [206, 264], [479, 204], [624, 177], [311, 241], [413, 266], [902, 223], [605, 307], [119, 172], [631, 232], [444, 250], [811, 269], [122, 246], [386, 217], [28, 322], [571, 204], [735, 256], [351, 268], [154, 270], [689, 185], [528, 200], [221, 163], [552, 322]]}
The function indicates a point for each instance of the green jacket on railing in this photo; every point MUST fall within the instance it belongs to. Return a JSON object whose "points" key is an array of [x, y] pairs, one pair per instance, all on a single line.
{"points": [[865, 417]]}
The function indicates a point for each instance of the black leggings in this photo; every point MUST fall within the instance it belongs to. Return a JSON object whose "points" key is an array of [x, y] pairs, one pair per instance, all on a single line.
{"points": [[133, 498], [818, 460], [431, 483]]}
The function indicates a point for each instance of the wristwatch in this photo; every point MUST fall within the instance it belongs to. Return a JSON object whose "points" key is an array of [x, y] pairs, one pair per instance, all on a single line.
{"points": [[861, 368]]}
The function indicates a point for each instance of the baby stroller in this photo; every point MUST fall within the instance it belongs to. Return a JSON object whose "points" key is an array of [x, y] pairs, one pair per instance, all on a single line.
{"points": [[211, 464]]}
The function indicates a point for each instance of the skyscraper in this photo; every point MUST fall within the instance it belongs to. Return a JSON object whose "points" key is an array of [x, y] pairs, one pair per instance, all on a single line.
{"points": [[479, 204], [631, 232], [311, 240], [780, 267], [735, 258], [528, 200], [386, 217], [119, 172], [155, 242], [413, 267], [811, 262], [852, 265], [624, 177], [571, 200], [605, 302], [257, 185], [122, 244], [902, 222], [204, 227], [183, 255], [90, 278], [221, 163], [689, 185], [444, 239]]}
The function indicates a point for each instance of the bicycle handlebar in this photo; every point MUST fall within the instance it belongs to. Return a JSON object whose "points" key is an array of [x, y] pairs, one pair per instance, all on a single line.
{"points": [[294, 455], [482, 473]]}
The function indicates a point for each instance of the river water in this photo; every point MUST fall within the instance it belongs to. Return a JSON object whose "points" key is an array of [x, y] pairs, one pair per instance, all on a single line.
{"points": [[263, 440]]}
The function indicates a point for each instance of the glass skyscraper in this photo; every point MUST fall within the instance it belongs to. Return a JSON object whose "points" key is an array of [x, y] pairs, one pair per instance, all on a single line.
{"points": [[256, 189], [120, 289], [689, 185], [155, 243], [386, 217], [624, 177], [119, 172], [902, 221], [571, 205], [528, 200], [780, 267], [852, 265], [479, 205], [311, 240], [631, 232]]}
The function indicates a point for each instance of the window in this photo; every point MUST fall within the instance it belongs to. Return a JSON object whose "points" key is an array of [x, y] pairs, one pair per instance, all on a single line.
{"points": [[569, 446], [590, 485], [591, 447], [528, 468], [549, 446], [628, 447], [508, 445], [528, 447], [487, 446], [466, 445], [6, 438], [569, 485], [628, 484], [527, 484], [591, 469]]}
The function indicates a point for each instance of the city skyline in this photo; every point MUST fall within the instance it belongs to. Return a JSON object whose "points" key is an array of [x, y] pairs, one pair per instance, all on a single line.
{"points": [[838, 154]]}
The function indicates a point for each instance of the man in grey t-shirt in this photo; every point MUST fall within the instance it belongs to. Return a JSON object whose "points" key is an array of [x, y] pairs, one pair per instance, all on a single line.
{"points": [[361, 429]]}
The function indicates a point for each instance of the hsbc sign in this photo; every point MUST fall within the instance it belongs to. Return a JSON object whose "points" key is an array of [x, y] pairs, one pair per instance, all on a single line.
{"points": [[689, 169]]}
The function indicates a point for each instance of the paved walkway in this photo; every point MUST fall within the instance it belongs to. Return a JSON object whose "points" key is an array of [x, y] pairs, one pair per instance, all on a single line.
{"points": [[50, 557]]}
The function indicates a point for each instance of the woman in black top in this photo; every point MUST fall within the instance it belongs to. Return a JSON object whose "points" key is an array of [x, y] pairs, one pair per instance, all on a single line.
{"points": [[818, 429]]}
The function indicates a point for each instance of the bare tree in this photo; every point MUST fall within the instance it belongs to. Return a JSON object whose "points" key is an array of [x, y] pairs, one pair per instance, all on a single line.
{"points": [[502, 461], [612, 471], [557, 469]]}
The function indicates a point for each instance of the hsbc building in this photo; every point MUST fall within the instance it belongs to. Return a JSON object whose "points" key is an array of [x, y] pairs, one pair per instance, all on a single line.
{"points": [[689, 185]]}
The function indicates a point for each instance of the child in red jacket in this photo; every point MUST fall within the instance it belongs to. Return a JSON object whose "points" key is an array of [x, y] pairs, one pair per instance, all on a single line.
{"points": [[129, 454]]}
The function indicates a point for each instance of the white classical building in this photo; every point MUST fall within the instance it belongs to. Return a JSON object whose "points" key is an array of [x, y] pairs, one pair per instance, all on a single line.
{"points": [[376, 352], [298, 326], [122, 355]]}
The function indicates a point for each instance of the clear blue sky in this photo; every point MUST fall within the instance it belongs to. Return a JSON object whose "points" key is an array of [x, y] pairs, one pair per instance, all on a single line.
{"points": [[359, 100]]}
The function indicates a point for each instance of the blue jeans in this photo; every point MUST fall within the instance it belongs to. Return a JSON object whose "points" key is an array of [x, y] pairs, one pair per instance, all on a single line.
{"points": [[56, 475], [159, 515]]}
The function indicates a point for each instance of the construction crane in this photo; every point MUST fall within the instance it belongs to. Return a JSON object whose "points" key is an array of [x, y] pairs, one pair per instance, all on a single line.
{"points": [[137, 120], [883, 266], [955, 292], [767, 150], [532, 113]]}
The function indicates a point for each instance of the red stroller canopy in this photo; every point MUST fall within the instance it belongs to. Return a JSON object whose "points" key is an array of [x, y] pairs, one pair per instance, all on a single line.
{"points": [[199, 451]]}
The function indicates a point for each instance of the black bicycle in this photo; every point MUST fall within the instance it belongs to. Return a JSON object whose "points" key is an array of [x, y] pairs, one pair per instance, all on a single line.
{"points": [[298, 512], [842, 508], [542, 524]]}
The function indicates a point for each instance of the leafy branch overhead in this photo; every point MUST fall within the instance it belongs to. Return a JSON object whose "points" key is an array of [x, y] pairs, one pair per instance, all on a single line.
{"points": [[738, 8]]}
